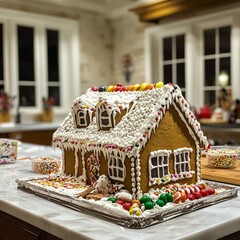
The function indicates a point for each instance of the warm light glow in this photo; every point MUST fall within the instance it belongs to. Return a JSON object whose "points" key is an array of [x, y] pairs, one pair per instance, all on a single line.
{"points": [[223, 79]]}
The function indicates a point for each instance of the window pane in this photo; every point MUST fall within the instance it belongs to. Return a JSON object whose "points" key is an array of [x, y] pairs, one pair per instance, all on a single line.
{"points": [[25, 53], [27, 95], [167, 48], [209, 41], [180, 46], [154, 161], [1, 52], [167, 73], [225, 39], [210, 98], [154, 173], [55, 94], [210, 72], [181, 75], [52, 52], [225, 67]]}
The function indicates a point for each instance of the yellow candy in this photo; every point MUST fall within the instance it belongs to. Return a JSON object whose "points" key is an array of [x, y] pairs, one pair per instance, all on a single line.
{"points": [[109, 89], [136, 87], [159, 85], [143, 86], [138, 213]]}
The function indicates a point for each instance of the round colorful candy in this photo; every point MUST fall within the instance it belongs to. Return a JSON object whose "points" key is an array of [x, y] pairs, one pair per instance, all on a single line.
{"points": [[145, 199], [160, 203], [143, 86], [112, 199], [163, 197], [177, 197], [136, 87], [197, 195], [159, 85], [136, 201], [130, 88], [149, 205], [109, 89], [102, 89], [127, 206], [204, 192], [121, 202], [169, 197], [149, 86], [94, 88], [210, 191], [190, 197]]}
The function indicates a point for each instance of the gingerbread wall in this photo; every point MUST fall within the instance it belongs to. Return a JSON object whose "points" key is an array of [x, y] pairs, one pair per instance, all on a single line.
{"points": [[171, 134]]}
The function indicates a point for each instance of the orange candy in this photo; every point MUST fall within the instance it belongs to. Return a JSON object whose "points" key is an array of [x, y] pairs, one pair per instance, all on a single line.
{"points": [[149, 86], [179, 197], [136, 201], [130, 88]]}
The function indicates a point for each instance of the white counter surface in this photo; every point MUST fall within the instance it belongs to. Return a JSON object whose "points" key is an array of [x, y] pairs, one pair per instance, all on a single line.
{"points": [[208, 223]]}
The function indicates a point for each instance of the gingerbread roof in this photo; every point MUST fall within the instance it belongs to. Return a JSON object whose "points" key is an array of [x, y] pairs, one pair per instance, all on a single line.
{"points": [[134, 129]]}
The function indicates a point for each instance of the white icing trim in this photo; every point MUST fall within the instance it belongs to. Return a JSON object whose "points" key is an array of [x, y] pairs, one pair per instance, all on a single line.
{"points": [[133, 177], [198, 155], [138, 179], [76, 163], [84, 166]]}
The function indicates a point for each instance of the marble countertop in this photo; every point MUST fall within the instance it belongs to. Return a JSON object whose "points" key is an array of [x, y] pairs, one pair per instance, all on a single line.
{"points": [[208, 223]]}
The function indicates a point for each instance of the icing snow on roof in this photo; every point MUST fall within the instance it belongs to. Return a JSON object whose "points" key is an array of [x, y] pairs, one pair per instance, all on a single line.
{"points": [[135, 127]]}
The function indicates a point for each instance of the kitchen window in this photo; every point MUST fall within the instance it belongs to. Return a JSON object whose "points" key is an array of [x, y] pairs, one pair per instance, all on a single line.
{"points": [[38, 56], [173, 60], [198, 55]]}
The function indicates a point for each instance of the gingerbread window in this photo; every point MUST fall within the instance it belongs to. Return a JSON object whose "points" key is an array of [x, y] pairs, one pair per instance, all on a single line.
{"points": [[82, 118], [116, 168], [159, 163], [105, 119], [182, 160]]}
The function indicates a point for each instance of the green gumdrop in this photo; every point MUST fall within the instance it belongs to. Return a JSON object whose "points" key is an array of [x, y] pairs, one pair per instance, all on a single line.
{"points": [[145, 199], [112, 199], [163, 197], [149, 205], [169, 197], [160, 202]]}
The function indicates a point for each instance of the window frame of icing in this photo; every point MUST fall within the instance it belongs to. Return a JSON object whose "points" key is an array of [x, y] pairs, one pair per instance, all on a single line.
{"points": [[68, 56], [158, 154], [194, 49], [102, 107], [84, 117], [117, 168], [181, 161]]}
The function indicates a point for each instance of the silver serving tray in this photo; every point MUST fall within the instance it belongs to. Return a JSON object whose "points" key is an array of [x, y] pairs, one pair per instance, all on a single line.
{"points": [[123, 218]]}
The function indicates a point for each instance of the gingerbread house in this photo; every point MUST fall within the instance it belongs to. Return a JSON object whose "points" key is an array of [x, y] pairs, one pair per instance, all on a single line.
{"points": [[143, 139]]}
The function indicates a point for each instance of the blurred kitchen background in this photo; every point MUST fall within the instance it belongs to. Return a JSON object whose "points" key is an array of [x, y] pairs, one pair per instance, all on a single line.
{"points": [[52, 51]]}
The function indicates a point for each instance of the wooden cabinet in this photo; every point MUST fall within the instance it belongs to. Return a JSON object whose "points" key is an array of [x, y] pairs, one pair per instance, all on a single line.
{"points": [[12, 228], [43, 137], [38, 133]]}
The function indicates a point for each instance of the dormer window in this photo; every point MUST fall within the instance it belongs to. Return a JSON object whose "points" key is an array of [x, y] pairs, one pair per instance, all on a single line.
{"points": [[105, 115], [105, 119], [82, 118]]}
